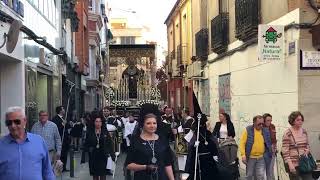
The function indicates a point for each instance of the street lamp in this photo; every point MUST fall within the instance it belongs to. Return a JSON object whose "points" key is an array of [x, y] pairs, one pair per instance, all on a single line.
{"points": [[184, 91], [167, 81], [124, 10]]}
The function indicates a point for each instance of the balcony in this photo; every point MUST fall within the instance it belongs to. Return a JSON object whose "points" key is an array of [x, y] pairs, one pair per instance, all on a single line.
{"points": [[179, 55], [247, 18], [220, 33], [169, 65], [95, 25], [194, 70], [202, 44], [69, 12]]}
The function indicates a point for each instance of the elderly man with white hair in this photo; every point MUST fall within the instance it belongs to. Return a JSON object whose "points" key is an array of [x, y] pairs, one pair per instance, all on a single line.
{"points": [[23, 155]]}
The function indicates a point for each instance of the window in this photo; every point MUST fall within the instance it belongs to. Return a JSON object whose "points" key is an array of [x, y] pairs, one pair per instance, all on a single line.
{"points": [[127, 40], [92, 63], [47, 8], [41, 6], [223, 6], [91, 5], [50, 9], [36, 3], [205, 93], [103, 9]]}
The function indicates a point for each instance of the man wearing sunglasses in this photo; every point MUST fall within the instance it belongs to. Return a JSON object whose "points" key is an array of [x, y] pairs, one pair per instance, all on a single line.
{"points": [[256, 149], [23, 155], [50, 133]]}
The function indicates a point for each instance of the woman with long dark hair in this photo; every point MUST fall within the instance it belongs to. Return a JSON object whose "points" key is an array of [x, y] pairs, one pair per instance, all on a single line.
{"points": [[224, 128], [99, 145], [149, 156]]}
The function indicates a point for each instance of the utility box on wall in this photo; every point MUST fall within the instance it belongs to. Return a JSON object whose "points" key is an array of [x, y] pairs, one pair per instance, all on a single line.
{"points": [[315, 31]]}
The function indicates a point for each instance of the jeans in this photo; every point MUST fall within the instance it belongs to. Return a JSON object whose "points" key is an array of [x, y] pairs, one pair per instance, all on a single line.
{"points": [[270, 168], [256, 167]]}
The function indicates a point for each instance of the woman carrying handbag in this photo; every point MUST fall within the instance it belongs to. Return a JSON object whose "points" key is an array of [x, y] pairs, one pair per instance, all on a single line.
{"points": [[296, 149]]}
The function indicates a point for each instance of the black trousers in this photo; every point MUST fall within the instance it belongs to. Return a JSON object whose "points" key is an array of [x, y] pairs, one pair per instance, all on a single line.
{"points": [[64, 154]]}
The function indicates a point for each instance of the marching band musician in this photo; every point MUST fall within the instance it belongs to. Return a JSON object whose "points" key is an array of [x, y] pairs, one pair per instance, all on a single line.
{"points": [[181, 145], [112, 127], [187, 121], [169, 119], [128, 129]]}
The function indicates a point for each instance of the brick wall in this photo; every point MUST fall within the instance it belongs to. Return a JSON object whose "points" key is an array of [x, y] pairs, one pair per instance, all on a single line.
{"points": [[81, 37]]}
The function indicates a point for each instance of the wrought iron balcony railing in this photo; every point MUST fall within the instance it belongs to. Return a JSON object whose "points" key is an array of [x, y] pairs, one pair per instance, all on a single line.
{"points": [[179, 55], [173, 54], [169, 64], [202, 44], [247, 18], [220, 33]]}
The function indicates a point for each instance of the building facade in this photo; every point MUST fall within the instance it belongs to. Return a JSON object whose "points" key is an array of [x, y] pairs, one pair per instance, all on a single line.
{"points": [[224, 70], [227, 68], [12, 68], [39, 57], [179, 37]]}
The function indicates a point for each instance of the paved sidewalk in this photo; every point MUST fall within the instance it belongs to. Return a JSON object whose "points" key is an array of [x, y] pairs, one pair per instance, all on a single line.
{"points": [[82, 170]]}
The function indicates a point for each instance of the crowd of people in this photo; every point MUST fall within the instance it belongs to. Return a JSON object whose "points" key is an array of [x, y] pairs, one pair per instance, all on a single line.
{"points": [[159, 144]]}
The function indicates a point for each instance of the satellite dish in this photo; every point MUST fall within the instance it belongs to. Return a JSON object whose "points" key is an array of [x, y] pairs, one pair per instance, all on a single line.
{"points": [[13, 35]]}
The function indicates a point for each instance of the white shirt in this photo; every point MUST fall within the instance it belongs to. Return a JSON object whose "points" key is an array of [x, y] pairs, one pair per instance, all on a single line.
{"points": [[128, 129], [125, 120], [223, 131], [111, 127]]}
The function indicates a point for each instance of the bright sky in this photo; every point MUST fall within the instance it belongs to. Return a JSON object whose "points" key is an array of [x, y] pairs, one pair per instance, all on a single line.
{"points": [[150, 13]]}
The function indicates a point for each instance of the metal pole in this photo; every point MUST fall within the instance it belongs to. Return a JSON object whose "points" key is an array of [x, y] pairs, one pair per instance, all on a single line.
{"points": [[197, 148], [64, 128], [168, 98], [276, 156], [72, 161]]}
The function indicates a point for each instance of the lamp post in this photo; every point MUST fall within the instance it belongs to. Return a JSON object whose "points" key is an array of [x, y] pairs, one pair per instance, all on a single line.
{"points": [[184, 90], [124, 10], [168, 98], [102, 88]]}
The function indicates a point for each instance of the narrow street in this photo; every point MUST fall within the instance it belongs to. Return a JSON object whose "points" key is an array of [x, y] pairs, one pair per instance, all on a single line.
{"points": [[234, 82], [82, 170]]}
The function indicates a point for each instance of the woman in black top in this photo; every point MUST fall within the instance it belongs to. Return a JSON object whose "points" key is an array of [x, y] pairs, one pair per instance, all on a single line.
{"points": [[99, 145], [149, 156], [224, 121]]}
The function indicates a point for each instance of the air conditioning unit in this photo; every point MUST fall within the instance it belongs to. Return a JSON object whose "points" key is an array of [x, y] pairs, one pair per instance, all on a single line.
{"points": [[197, 71], [205, 73], [75, 60], [176, 72]]}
